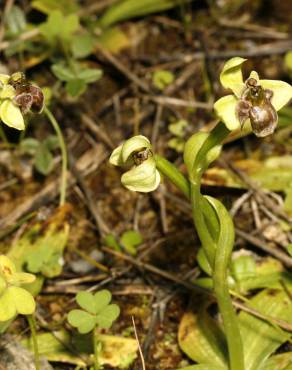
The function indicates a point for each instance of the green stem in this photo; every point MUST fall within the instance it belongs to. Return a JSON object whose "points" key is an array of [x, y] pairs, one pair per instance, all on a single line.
{"points": [[170, 171], [32, 326], [96, 349], [216, 233], [63, 185]]}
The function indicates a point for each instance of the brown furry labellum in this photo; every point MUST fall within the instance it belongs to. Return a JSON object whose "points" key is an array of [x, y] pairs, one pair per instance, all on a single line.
{"points": [[28, 97], [255, 104]]}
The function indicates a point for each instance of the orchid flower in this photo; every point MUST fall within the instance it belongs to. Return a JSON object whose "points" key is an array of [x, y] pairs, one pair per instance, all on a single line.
{"points": [[14, 299], [136, 154], [254, 101], [10, 113]]}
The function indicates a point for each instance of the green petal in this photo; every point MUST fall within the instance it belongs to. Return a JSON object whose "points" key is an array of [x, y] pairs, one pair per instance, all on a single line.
{"points": [[225, 109], [7, 267], [143, 178], [116, 156], [7, 92], [133, 144], [7, 306], [22, 278], [4, 79], [23, 300], [11, 115], [231, 75], [282, 92]]}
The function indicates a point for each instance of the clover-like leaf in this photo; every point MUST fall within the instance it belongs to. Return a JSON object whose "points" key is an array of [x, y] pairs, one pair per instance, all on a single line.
{"points": [[86, 301], [11, 115], [7, 306], [107, 316], [102, 299], [83, 321]]}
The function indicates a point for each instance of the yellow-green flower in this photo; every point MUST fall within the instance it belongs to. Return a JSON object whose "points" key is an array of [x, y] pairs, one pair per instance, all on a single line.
{"points": [[136, 154], [10, 113], [255, 101], [14, 299]]}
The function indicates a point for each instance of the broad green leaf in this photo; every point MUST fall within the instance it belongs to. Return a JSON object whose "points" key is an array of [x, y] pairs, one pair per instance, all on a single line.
{"points": [[70, 26], [35, 241], [90, 75], [114, 40], [201, 339], [203, 367], [29, 145], [131, 240], [44, 161], [192, 148], [63, 72], [86, 301], [15, 20], [75, 87], [101, 299], [116, 352], [110, 241], [243, 267], [203, 262], [82, 45], [127, 9], [282, 361], [261, 339], [23, 300], [107, 316], [82, 320], [51, 142], [47, 6]]}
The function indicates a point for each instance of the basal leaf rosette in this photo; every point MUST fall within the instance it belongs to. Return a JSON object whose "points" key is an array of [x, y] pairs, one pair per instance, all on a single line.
{"points": [[14, 299], [10, 113], [269, 96], [136, 155]]}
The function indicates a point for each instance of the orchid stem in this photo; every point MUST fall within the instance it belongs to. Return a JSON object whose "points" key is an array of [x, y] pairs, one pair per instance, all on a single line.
{"points": [[96, 349], [208, 228], [32, 326], [56, 126]]}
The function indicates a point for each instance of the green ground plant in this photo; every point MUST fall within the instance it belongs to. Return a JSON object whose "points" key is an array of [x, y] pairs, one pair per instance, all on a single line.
{"points": [[254, 104], [97, 312]]}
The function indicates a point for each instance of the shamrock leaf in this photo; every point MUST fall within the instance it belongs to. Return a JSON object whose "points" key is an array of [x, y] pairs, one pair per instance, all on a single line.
{"points": [[83, 321], [97, 310]]}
